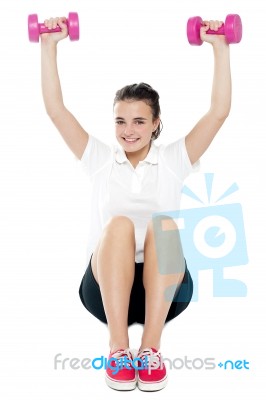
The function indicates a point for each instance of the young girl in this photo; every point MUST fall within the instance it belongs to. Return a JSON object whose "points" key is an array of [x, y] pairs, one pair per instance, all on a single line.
{"points": [[137, 272]]}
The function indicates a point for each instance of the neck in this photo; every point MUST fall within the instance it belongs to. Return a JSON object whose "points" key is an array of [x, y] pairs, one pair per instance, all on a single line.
{"points": [[139, 155]]}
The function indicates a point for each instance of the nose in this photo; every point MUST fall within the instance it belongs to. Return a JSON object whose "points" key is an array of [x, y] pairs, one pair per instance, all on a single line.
{"points": [[129, 130]]}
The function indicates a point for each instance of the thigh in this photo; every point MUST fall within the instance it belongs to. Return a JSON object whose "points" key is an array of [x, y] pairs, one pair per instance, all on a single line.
{"points": [[182, 297], [93, 262], [90, 294]]}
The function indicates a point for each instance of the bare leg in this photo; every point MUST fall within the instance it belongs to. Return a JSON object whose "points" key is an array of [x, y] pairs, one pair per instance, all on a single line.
{"points": [[160, 281], [113, 266]]}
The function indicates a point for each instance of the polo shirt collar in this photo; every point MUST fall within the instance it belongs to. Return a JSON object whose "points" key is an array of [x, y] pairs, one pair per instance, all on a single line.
{"points": [[152, 156]]}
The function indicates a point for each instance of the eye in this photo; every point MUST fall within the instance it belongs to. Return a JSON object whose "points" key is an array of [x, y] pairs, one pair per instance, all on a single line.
{"points": [[139, 122], [119, 122]]}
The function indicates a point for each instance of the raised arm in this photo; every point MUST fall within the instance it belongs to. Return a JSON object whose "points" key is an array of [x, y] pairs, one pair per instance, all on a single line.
{"points": [[74, 135], [200, 137]]}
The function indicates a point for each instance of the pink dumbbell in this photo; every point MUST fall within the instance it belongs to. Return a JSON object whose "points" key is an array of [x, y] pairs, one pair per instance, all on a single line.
{"points": [[35, 29], [231, 29]]}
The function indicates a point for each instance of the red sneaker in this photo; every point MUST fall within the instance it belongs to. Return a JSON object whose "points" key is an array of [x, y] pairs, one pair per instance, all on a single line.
{"points": [[152, 371], [120, 373]]}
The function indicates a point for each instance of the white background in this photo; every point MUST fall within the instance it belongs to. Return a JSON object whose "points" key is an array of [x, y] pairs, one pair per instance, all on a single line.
{"points": [[44, 193]]}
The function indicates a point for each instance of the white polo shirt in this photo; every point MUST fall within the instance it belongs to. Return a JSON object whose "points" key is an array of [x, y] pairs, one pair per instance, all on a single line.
{"points": [[120, 189]]}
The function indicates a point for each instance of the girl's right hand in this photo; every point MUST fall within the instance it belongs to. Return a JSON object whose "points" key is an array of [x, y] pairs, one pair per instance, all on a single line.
{"points": [[55, 37]]}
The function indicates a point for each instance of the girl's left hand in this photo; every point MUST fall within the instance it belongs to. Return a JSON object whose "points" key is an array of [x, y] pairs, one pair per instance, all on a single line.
{"points": [[211, 38]]}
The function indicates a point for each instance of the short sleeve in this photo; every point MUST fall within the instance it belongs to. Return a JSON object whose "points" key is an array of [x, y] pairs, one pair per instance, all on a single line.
{"points": [[177, 159], [96, 155]]}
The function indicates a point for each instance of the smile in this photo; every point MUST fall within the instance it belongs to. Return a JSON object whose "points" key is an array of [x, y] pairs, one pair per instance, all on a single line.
{"points": [[130, 140]]}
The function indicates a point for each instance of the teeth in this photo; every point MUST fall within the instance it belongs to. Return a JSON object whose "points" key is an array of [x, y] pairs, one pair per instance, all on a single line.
{"points": [[130, 140]]}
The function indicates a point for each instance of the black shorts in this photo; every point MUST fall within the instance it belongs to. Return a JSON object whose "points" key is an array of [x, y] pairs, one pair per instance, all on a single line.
{"points": [[91, 298]]}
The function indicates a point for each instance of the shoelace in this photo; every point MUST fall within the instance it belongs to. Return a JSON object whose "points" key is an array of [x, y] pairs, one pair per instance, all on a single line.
{"points": [[122, 353], [153, 359]]}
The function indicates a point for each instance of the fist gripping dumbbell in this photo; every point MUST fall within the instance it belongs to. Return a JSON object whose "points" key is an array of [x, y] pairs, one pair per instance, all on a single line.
{"points": [[35, 29], [231, 29]]}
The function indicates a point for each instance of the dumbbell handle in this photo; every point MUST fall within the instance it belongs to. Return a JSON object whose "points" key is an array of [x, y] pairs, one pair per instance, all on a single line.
{"points": [[220, 31], [44, 29]]}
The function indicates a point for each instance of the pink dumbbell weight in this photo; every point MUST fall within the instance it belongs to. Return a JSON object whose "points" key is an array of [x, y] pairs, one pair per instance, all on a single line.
{"points": [[35, 29], [231, 29]]}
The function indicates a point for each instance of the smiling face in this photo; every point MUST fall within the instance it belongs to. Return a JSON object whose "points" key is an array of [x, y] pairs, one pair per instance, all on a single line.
{"points": [[134, 127]]}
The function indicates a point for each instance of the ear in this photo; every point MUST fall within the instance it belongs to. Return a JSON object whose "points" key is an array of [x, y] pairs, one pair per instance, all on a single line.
{"points": [[156, 123]]}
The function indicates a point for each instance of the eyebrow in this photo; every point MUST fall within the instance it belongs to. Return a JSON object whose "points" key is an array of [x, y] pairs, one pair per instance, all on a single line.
{"points": [[135, 119]]}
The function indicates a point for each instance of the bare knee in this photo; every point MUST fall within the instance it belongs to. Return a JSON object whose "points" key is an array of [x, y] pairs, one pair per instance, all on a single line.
{"points": [[119, 226], [118, 237], [163, 240], [160, 224]]}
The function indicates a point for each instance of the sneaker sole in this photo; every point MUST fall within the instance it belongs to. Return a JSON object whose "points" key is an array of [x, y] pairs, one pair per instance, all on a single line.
{"points": [[153, 386], [118, 385]]}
